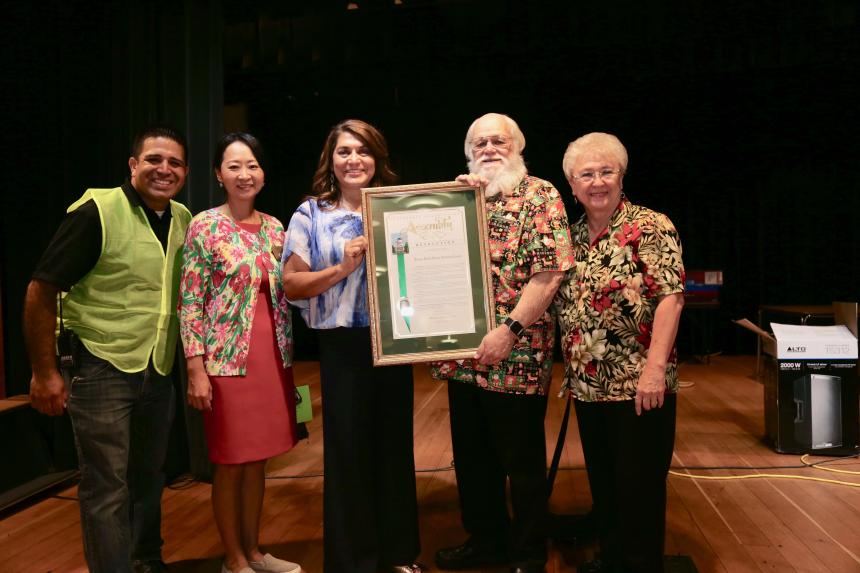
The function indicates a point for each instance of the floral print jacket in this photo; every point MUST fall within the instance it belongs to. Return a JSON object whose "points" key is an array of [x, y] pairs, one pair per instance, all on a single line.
{"points": [[222, 268], [528, 234], [606, 304]]}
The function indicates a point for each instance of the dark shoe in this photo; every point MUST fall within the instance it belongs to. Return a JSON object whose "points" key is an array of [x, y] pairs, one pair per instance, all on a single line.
{"points": [[148, 566], [470, 555]]}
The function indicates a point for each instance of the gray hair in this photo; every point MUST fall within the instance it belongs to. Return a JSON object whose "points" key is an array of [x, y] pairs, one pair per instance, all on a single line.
{"points": [[519, 140], [605, 143]]}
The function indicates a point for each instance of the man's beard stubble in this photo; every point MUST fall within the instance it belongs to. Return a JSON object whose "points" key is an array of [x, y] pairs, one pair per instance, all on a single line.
{"points": [[502, 180]]}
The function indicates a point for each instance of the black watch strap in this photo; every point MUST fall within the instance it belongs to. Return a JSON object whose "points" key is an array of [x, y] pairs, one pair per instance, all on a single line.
{"points": [[515, 327]]}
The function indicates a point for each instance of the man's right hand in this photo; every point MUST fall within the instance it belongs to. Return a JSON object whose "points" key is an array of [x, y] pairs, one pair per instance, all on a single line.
{"points": [[472, 180], [48, 393]]}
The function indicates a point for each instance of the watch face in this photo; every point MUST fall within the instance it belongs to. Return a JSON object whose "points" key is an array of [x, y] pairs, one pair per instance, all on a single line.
{"points": [[514, 326]]}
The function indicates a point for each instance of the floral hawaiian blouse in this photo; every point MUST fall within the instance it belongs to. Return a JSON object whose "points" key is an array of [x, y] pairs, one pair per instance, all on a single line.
{"points": [[222, 268], [606, 304], [528, 234]]}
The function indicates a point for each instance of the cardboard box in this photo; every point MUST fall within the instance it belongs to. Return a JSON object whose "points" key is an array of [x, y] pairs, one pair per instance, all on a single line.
{"points": [[810, 385]]}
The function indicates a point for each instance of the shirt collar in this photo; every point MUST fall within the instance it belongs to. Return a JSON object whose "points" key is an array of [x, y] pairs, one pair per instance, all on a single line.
{"points": [[620, 213], [135, 200], [132, 195], [618, 217]]}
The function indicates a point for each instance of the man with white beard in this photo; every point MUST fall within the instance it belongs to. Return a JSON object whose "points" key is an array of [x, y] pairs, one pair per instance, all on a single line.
{"points": [[498, 399]]}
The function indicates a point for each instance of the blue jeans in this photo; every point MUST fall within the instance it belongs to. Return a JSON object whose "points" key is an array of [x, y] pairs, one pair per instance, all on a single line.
{"points": [[121, 423]]}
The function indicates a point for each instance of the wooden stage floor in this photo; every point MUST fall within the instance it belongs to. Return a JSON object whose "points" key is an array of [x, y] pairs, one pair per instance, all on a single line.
{"points": [[763, 524]]}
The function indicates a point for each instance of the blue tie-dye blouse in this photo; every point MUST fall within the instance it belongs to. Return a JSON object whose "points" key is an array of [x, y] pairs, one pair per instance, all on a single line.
{"points": [[317, 236]]}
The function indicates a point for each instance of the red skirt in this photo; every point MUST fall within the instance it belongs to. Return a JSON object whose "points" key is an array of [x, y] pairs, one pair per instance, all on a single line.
{"points": [[253, 417]]}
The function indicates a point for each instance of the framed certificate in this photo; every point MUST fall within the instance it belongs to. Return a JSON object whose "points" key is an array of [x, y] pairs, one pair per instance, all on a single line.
{"points": [[430, 294]]}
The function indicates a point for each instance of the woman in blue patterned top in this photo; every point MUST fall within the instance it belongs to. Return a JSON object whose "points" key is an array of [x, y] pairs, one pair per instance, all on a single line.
{"points": [[370, 510]]}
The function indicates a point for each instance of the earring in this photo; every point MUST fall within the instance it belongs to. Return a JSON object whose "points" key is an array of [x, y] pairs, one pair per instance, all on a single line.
{"points": [[220, 184], [332, 181]]}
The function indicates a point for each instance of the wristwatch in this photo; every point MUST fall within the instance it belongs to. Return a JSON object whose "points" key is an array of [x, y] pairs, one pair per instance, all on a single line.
{"points": [[515, 327]]}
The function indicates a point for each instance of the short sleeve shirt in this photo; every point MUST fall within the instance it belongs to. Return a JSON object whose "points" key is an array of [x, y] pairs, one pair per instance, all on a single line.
{"points": [[317, 234], [606, 303], [528, 234]]}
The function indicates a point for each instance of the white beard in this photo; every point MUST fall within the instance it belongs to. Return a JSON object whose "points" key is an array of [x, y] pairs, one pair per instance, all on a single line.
{"points": [[503, 178]]}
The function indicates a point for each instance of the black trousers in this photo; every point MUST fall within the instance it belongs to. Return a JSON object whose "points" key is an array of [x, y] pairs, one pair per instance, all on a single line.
{"points": [[499, 437], [370, 508], [628, 458]]}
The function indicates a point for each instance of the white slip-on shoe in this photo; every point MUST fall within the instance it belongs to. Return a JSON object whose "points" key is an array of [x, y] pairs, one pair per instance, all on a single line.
{"points": [[271, 564]]}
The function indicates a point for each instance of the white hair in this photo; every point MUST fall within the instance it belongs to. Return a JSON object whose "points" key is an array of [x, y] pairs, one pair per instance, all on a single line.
{"points": [[502, 181], [519, 140], [605, 143]]}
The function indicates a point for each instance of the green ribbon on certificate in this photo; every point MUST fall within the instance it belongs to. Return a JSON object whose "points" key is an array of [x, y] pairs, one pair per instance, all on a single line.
{"points": [[404, 306]]}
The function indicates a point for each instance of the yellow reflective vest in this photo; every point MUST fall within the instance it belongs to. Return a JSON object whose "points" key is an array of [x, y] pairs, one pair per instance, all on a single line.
{"points": [[124, 309]]}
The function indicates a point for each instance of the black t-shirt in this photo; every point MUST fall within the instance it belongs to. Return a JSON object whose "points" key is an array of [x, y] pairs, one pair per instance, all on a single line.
{"points": [[77, 245]]}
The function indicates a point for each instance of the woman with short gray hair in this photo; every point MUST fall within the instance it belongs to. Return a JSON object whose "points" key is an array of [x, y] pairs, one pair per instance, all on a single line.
{"points": [[618, 310]]}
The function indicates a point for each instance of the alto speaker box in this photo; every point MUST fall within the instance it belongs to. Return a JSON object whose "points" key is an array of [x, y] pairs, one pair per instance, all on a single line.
{"points": [[818, 411]]}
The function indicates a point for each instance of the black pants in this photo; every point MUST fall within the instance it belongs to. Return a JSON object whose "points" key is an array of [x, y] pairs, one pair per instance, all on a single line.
{"points": [[370, 508], [628, 458], [497, 437]]}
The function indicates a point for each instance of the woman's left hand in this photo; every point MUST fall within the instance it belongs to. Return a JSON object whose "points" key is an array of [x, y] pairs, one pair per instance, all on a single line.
{"points": [[650, 390], [651, 387]]}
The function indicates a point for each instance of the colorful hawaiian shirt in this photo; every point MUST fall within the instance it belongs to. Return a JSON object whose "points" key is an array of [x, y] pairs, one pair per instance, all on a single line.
{"points": [[222, 269], [528, 234], [317, 234], [606, 304]]}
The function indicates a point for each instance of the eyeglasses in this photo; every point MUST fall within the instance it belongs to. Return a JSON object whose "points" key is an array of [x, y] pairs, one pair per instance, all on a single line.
{"points": [[498, 141], [590, 176]]}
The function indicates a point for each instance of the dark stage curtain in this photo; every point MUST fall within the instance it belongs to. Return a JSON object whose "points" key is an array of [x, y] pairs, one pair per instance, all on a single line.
{"points": [[79, 79], [738, 116]]}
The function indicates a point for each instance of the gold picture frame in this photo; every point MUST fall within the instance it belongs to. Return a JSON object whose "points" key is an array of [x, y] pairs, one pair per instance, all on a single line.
{"points": [[429, 283]]}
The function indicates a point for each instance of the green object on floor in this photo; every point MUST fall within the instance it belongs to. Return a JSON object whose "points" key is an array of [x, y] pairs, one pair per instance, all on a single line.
{"points": [[304, 412]]}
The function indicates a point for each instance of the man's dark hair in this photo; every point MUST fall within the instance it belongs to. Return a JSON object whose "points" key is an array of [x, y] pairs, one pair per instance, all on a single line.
{"points": [[164, 131]]}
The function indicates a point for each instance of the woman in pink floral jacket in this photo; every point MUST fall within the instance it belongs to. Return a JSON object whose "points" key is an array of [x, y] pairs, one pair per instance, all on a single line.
{"points": [[235, 327]]}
